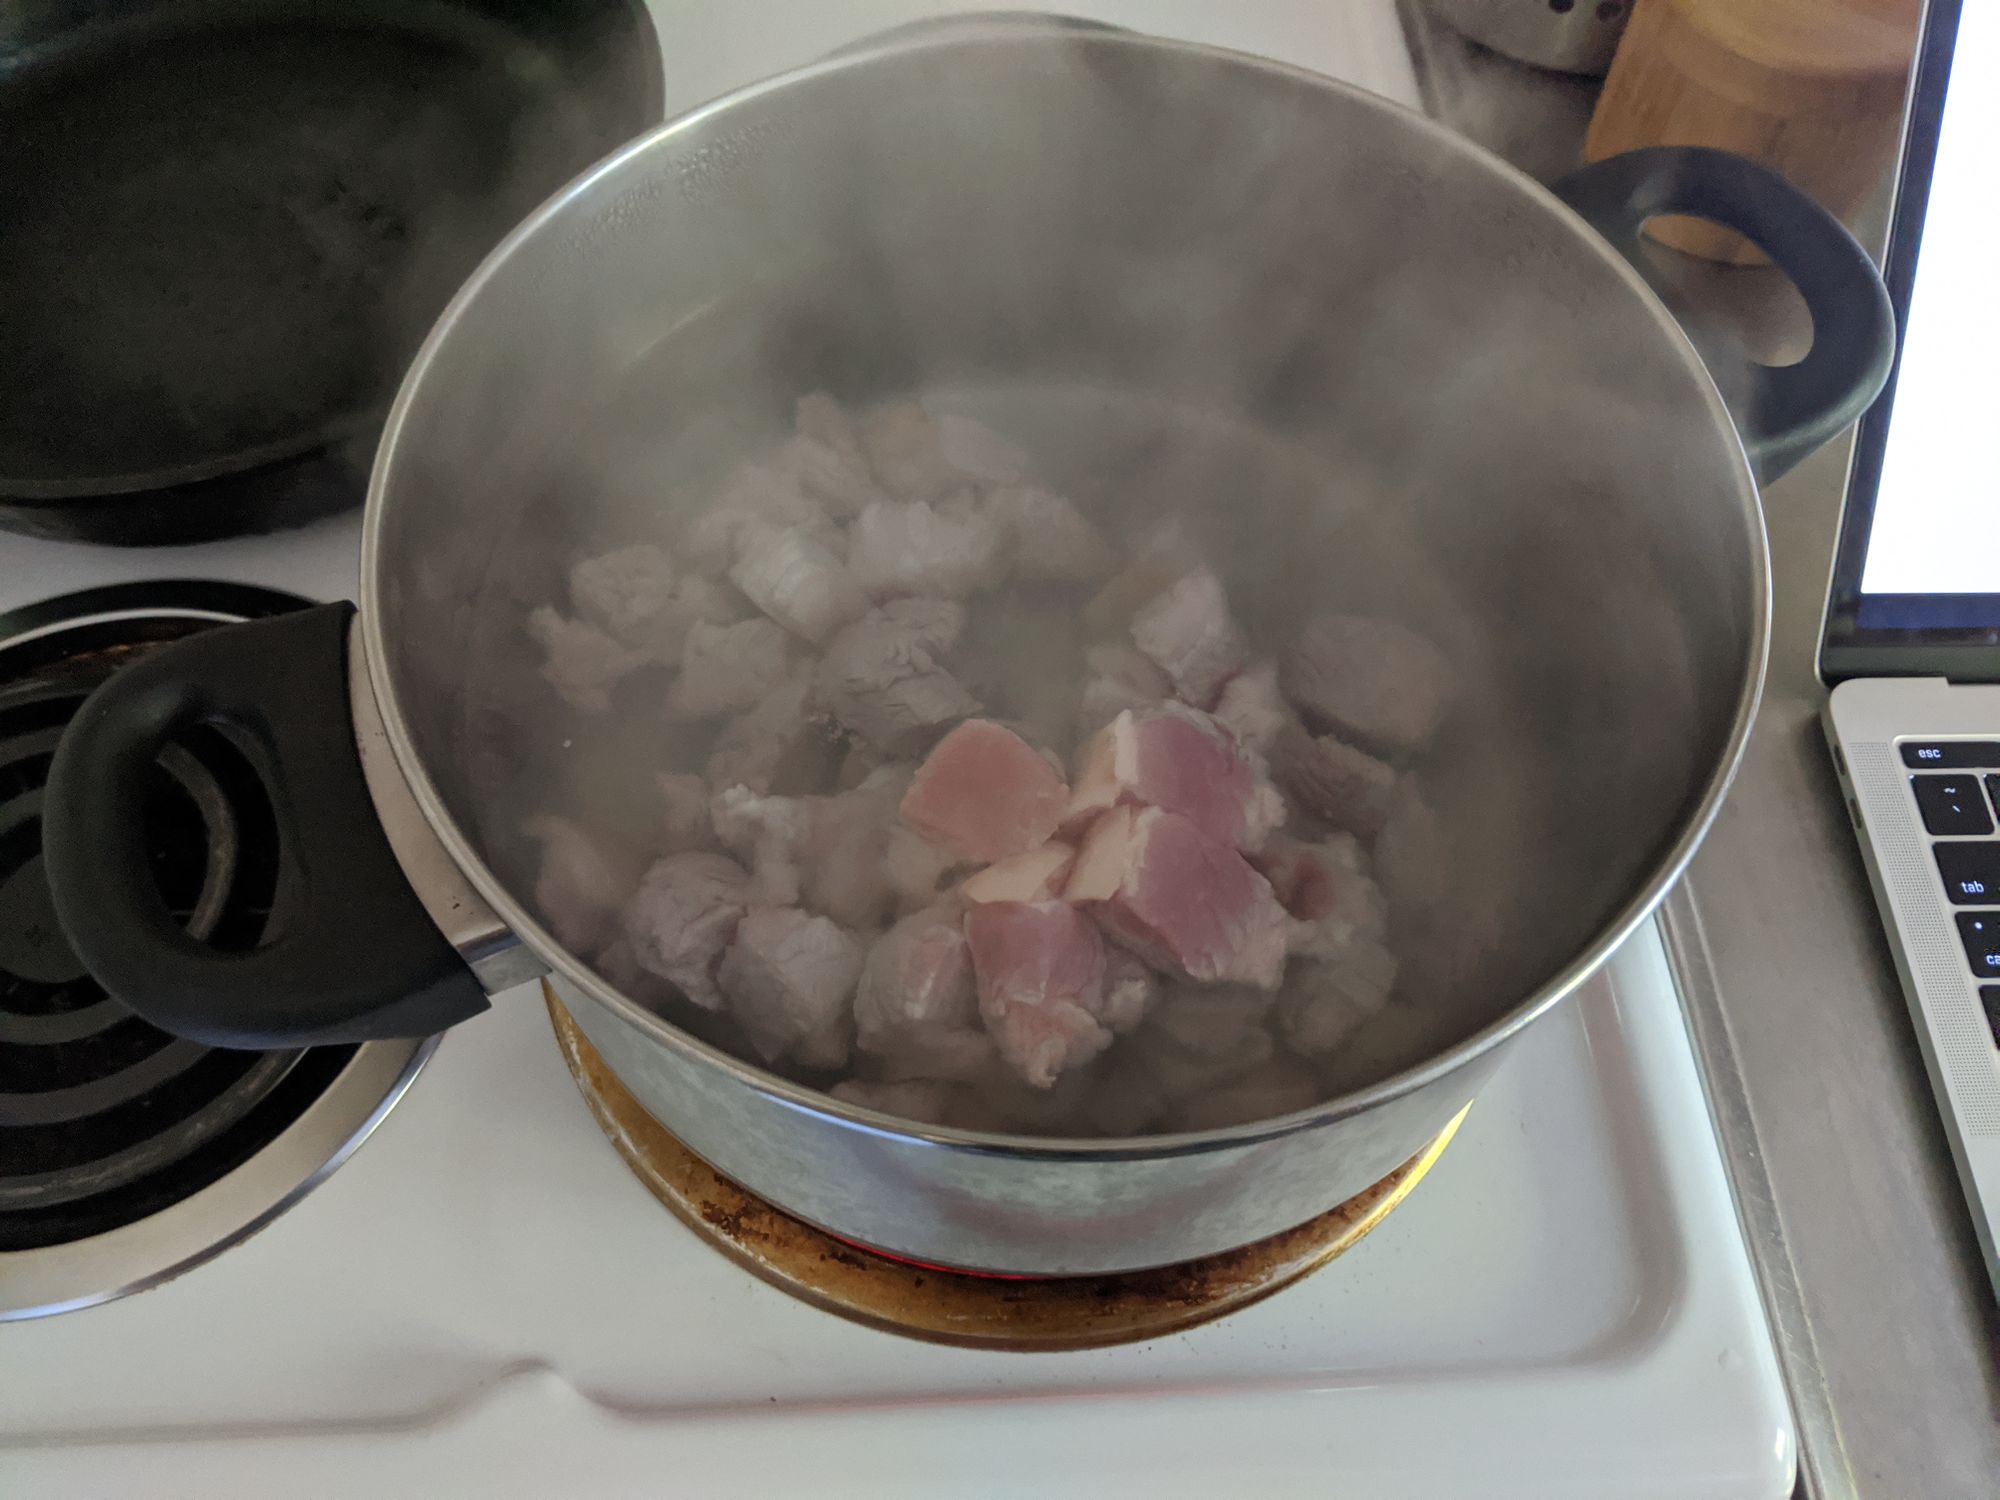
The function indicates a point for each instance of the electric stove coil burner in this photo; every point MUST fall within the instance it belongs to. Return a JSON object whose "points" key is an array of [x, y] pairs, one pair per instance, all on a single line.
{"points": [[127, 1154]]}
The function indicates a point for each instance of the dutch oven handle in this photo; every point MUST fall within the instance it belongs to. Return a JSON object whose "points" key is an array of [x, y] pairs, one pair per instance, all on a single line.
{"points": [[1785, 411], [353, 955]]}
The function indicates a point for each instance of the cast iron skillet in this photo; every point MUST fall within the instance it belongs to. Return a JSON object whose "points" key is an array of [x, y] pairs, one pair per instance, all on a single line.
{"points": [[230, 222]]}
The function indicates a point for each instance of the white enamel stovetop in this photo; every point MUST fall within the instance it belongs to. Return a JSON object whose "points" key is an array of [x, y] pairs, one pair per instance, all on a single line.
{"points": [[484, 1300]]}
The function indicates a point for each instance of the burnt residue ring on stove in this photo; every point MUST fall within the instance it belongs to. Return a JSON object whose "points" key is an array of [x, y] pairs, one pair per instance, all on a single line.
{"points": [[128, 1155]]}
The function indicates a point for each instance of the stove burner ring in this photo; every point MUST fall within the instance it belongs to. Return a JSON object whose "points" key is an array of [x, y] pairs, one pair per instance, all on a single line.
{"points": [[127, 1155]]}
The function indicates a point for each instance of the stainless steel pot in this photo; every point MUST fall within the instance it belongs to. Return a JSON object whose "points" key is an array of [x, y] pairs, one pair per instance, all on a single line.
{"points": [[1371, 364]]}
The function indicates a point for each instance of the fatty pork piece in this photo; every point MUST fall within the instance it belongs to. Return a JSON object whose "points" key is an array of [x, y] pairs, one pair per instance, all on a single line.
{"points": [[581, 885], [985, 793], [1037, 875], [1164, 557], [789, 977], [1253, 706], [906, 451], [1184, 902], [581, 663], [769, 836], [1373, 681], [727, 668], [927, 1101], [826, 458], [756, 494], [1267, 1091], [1047, 538], [682, 918], [1118, 677], [847, 852], [1326, 1001], [1040, 972], [796, 580], [882, 676], [1326, 887], [896, 549], [782, 744], [1347, 787], [1181, 760], [915, 1006], [1188, 632]]}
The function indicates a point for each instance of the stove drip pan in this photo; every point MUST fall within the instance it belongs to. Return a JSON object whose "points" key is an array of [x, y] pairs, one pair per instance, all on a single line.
{"points": [[958, 1307], [128, 1155]]}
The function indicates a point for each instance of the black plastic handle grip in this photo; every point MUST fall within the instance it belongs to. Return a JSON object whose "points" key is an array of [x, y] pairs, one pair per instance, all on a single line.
{"points": [[1784, 412], [352, 955]]}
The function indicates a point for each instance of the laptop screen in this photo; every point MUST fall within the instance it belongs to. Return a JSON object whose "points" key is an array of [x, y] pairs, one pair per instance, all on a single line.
{"points": [[1919, 562]]}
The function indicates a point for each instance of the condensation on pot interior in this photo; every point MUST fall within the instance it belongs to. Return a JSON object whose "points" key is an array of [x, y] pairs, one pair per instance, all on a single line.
{"points": [[1365, 373]]}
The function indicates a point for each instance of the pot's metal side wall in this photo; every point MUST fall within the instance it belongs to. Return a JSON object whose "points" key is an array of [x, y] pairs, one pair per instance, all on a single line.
{"points": [[1014, 1211]]}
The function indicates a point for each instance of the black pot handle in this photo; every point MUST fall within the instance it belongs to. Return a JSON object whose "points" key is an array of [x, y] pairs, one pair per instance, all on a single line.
{"points": [[1785, 411], [353, 956]]}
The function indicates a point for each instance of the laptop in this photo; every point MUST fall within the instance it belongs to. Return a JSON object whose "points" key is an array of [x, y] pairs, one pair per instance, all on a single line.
{"points": [[1911, 641]]}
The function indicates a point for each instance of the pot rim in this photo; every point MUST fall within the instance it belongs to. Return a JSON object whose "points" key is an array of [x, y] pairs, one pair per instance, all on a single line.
{"points": [[574, 973]]}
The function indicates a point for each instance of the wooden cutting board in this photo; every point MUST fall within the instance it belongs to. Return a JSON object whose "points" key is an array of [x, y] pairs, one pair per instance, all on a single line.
{"points": [[1813, 88]]}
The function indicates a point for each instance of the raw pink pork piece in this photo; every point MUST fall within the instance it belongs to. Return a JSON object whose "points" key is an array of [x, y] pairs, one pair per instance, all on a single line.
{"points": [[1040, 969], [582, 663], [1189, 633], [1047, 537], [1118, 677], [906, 452], [1327, 889], [882, 677], [1371, 680], [846, 868], [896, 549], [985, 793], [1183, 761], [915, 1005], [1349, 788], [1327, 1001], [727, 668], [1183, 901], [581, 884], [683, 916], [789, 977], [796, 580], [624, 593], [1252, 706]]}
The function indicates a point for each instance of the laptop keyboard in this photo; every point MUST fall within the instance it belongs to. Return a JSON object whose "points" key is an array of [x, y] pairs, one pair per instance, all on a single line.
{"points": [[1957, 787]]}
